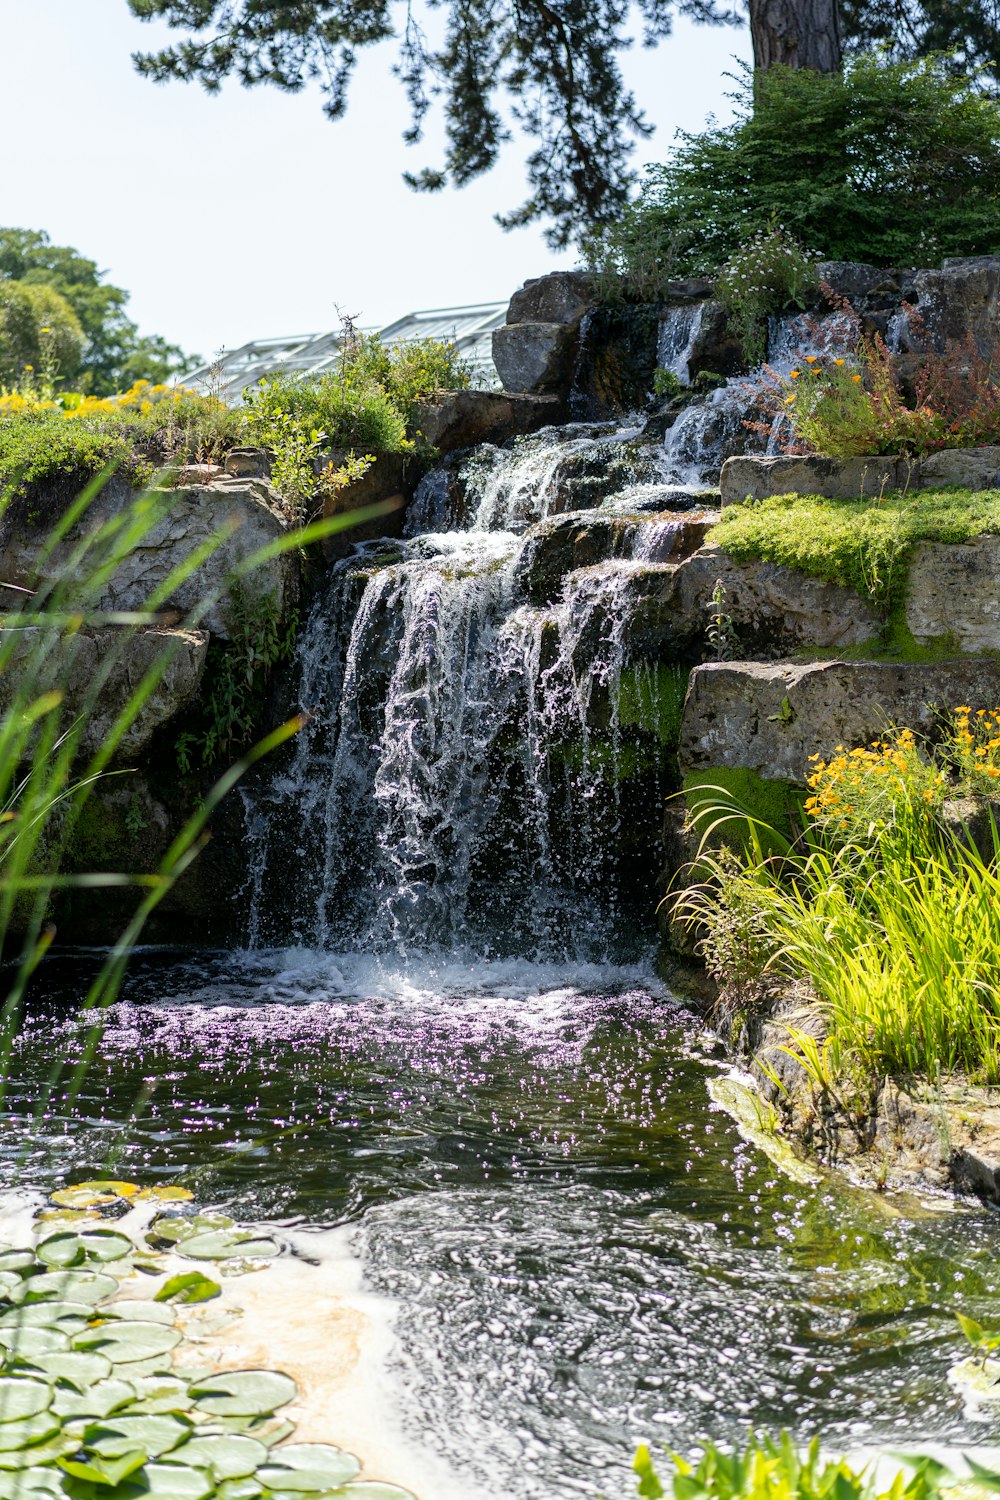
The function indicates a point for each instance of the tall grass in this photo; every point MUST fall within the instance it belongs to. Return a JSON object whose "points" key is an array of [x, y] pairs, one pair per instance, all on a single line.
{"points": [[899, 936]]}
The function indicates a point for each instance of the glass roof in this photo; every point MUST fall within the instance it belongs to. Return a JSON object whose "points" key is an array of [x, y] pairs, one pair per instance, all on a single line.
{"points": [[471, 328]]}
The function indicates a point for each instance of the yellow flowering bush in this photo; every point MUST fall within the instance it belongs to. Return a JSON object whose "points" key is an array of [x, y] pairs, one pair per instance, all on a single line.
{"points": [[140, 398], [971, 748], [870, 791]]}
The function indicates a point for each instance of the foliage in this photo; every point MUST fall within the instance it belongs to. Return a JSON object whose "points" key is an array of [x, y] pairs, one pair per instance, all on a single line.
{"points": [[91, 1398], [983, 1341], [769, 272], [861, 543], [115, 353], [890, 914], [40, 334], [888, 163], [854, 405], [42, 449], [721, 631], [237, 676], [406, 372], [778, 1469]]}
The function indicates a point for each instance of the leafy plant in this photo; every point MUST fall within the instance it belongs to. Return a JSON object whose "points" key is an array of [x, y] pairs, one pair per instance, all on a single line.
{"points": [[766, 274], [888, 163], [983, 1342], [721, 630]]}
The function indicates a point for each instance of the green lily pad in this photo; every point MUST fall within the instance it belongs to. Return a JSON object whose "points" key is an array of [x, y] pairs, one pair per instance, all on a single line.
{"points": [[10, 1281], [63, 1249], [101, 1470], [266, 1430], [70, 1317], [373, 1489], [28, 1430], [156, 1482], [243, 1393], [48, 1452], [132, 1310], [96, 1401], [15, 1260], [223, 1456], [122, 1433], [27, 1343], [222, 1244], [123, 1342], [31, 1484], [166, 1193], [309, 1468], [238, 1489], [74, 1286], [176, 1227], [73, 1365], [23, 1398], [159, 1393], [191, 1286]]}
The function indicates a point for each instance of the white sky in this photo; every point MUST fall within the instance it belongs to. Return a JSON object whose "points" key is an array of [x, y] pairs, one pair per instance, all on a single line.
{"points": [[247, 214]]}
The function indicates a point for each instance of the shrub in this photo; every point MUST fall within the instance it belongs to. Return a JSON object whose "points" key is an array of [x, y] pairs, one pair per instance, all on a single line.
{"points": [[40, 335], [40, 449], [339, 413], [766, 274], [889, 163]]}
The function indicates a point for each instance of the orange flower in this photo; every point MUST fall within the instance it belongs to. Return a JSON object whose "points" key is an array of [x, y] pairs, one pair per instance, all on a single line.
{"points": [[856, 379]]}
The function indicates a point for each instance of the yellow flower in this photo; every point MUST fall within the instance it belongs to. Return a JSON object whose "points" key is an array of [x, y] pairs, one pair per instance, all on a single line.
{"points": [[811, 359], [794, 374], [856, 379], [839, 361]]}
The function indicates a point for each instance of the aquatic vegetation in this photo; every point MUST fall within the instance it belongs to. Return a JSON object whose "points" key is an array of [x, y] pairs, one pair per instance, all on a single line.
{"points": [[104, 1389]]}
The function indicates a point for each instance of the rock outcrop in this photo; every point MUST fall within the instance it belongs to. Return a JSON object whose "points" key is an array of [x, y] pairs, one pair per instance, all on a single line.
{"points": [[750, 477]]}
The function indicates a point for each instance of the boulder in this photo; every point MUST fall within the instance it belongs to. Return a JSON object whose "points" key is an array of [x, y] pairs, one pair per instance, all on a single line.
{"points": [[536, 358], [234, 514], [857, 281], [389, 482], [450, 420], [98, 672], [755, 478], [565, 543], [774, 609], [963, 296], [248, 463], [962, 468], [561, 297], [952, 591], [769, 718]]}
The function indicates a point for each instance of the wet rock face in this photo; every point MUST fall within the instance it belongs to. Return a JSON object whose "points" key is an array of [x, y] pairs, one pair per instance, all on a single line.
{"points": [[450, 420], [769, 718], [187, 517], [563, 544]]}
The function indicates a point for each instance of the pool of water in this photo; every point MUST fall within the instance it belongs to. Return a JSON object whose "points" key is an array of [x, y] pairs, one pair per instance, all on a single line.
{"points": [[580, 1251]]}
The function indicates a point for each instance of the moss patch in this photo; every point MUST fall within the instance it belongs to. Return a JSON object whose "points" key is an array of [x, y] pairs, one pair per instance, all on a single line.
{"points": [[863, 544], [774, 803], [651, 698]]}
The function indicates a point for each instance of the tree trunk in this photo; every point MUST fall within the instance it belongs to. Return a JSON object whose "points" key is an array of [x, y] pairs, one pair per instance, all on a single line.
{"points": [[797, 33]]}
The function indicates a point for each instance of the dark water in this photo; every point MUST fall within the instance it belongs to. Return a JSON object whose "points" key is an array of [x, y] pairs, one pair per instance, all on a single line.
{"points": [[583, 1252]]}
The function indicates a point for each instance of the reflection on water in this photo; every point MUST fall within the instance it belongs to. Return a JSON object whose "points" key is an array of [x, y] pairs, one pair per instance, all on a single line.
{"points": [[583, 1252]]}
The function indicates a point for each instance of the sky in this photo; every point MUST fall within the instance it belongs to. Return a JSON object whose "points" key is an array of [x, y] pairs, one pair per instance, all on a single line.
{"points": [[247, 214]]}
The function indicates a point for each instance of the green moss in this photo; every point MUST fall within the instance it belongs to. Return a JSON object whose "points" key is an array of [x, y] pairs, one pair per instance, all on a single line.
{"points": [[863, 544], [651, 699], [101, 838], [775, 803], [615, 764]]}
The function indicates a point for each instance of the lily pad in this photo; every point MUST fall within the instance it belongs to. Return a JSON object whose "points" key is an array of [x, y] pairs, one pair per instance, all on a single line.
{"points": [[10, 1281], [102, 1470], [73, 1365], [28, 1343], [176, 1227], [224, 1244], [123, 1433], [238, 1489], [243, 1393], [168, 1193], [47, 1452], [75, 1286], [223, 1456], [123, 1342], [191, 1286], [31, 1484], [96, 1401], [93, 1194], [23, 1398], [159, 1393], [309, 1468], [373, 1489], [15, 1260], [132, 1310], [28, 1430], [68, 1316]]}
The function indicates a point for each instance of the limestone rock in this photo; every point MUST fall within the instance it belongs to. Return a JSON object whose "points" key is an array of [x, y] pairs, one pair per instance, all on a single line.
{"points": [[769, 718], [953, 592], [248, 463], [835, 478], [963, 296], [98, 673], [966, 468], [450, 420], [562, 297], [182, 519], [536, 358], [774, 609]]}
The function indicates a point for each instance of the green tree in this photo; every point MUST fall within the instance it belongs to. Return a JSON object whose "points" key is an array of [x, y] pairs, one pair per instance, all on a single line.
{"points": [[549, 66], [39, 333], [114, 354]]}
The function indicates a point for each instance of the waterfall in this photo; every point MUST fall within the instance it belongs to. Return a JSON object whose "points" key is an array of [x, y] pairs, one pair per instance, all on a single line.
{"points": [[485, 756], [679, 329]]}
